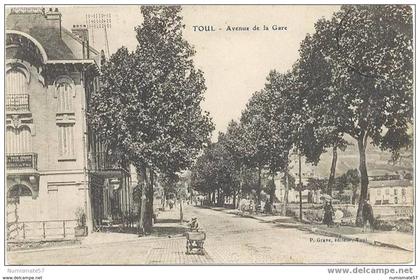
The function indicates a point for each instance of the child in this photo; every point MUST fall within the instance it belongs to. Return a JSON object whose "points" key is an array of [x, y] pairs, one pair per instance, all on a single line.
{"points": [[193, 224]]}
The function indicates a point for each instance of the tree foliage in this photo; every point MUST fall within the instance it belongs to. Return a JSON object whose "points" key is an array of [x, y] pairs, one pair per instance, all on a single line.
{"points": [[357, 70], [149, 102]]}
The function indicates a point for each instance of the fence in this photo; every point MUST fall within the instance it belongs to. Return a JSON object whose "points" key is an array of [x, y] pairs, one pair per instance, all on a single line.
{"points": [[41, 230]]}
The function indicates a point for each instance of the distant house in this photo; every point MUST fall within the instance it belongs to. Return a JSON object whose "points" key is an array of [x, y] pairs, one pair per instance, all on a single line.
{"points": [[308, 196], [396, 192]]}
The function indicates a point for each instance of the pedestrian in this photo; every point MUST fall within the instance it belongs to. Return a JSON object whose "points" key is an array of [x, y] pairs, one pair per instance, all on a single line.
{"points": [[193, 224], [267, 207], [328, 213], [251, 206], [367, 216], [171, 204]]}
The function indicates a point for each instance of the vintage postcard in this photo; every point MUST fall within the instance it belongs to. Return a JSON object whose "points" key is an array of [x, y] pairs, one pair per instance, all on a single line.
{"points": [[209, 135]]}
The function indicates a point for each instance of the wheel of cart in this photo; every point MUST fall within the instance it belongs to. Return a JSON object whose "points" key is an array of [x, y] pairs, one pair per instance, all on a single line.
{"points": [[195, 242]]}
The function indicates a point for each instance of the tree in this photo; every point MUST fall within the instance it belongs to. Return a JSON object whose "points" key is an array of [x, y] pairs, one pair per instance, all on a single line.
{"points": [[202, 173], [270, 189], [215, 172], [233, 144], [322, 129], [288, 123], [316, 184], [168, 183], [366, 76], [257, 136], [350, 179], [149, 102]]}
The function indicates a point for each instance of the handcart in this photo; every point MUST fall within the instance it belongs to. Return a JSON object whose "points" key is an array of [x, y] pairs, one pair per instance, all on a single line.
{"points": [[195, 242]]}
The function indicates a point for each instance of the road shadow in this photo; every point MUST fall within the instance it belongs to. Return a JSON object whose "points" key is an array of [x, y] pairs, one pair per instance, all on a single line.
{"points": [[168, 231], [166, 221], [288, 226], [119, 229]]}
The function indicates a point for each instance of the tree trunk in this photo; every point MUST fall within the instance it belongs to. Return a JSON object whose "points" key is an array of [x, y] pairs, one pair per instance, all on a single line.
{"points": [[191, 195], [353, 199], [286, 189], [259, 187], [142, 211], [142, 206], [272, 192], [222, 197], [238, 197], [163, 200], [239, 189], [234, 199], [332, 171], [300, 187], [147, 206], [364, 181], [181, 212]]}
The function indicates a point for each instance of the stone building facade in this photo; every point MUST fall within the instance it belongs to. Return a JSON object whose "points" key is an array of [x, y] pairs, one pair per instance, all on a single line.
{"points": [[54, 164]]}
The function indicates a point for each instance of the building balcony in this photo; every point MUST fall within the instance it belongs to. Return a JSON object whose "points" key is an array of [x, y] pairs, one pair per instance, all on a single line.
{"points": [[107, 164], [17, 103], [22, 161]]}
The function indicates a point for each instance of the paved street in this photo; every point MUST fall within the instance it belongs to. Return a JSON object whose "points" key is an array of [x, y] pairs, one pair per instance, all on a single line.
{"points": [[231, 239]]}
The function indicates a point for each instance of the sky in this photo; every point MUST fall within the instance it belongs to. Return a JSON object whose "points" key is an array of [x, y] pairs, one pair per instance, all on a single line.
{"points": [[235, 63]]}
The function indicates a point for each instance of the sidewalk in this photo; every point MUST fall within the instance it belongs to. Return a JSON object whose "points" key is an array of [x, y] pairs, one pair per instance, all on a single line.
{"points": [[167, 225], [392, 239]]}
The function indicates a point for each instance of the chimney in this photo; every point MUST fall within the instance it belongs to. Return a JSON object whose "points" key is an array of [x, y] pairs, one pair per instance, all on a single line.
{"points": [[54, 18], [82, 33]]}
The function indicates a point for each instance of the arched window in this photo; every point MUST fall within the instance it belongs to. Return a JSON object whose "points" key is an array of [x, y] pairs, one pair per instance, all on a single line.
{"points": [[18, 191], [65, 94], [16, 82], [18, 140]]}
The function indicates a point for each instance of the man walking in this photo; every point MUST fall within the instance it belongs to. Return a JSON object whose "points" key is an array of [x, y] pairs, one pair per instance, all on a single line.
{"points": [[367, 215]]}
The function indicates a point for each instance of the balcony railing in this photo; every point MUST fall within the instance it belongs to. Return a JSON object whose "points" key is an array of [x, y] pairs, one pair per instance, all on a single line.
{"points": [[103, 161], [17, 102], [22, 161]]}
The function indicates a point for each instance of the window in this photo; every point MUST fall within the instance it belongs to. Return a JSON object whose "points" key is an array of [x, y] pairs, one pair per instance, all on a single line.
{"points": [[18, 140], [16, 82], [395, 191], [403, 192], [65, 96], [17, 192], [387, 191], [378, 192], [65, 141], [395, 200], [65, 117]]}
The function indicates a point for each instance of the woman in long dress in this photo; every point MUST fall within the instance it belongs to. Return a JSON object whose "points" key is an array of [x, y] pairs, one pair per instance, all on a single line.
{"points": [[328, 214]]}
